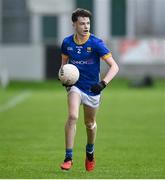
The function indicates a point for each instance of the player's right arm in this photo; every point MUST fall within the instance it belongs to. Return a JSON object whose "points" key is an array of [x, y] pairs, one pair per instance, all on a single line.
{"points": [[64, 59], [64, 52], [64, 56]]}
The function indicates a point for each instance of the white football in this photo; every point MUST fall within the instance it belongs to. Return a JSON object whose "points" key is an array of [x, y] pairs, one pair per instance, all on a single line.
{"points": [[69, 74]]}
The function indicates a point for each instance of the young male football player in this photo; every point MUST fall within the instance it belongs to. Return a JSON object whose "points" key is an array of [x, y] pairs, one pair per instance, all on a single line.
{"points": [[84, 50]]}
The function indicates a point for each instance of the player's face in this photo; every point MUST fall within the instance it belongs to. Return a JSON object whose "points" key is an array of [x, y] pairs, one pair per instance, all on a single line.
{"points": [[82, 26]]}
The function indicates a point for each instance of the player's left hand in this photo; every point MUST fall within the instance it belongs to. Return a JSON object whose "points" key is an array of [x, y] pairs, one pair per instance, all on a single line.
{"points": [[97, 88]]}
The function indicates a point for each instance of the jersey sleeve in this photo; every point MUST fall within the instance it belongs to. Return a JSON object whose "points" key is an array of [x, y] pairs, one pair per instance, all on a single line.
{"points": [[64, 48], [102, 50]]}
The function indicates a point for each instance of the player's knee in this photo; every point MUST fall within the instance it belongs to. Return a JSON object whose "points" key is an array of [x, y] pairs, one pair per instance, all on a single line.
{"points": [[90, 125], [72, 119]]}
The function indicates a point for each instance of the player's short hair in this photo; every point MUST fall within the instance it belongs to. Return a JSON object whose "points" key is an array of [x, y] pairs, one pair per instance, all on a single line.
{"points": [[80, 13]]}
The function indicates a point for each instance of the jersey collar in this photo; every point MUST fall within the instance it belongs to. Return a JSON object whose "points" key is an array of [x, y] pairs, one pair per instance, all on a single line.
{"points": [[83, 42]]}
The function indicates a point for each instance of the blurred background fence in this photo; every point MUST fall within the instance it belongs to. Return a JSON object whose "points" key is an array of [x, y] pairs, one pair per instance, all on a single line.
{"points": [[31, 32]]}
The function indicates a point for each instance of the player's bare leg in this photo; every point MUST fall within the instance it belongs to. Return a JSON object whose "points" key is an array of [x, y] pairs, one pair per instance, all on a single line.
{"points": [[73, 113], [70, 128], [91, 128]]}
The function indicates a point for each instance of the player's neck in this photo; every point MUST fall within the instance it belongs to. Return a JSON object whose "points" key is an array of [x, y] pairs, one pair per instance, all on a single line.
{"points": [[81, 39]]}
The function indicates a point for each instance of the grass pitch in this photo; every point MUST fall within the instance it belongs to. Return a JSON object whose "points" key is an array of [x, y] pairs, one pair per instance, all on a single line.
{"points": [[130, 141]]}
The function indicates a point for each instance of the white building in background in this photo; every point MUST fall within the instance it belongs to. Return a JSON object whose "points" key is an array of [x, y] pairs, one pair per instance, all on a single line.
{"points": [[28, 27]]}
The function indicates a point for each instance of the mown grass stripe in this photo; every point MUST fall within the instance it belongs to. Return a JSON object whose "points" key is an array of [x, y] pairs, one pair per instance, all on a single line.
{"points": [[15, 101]]}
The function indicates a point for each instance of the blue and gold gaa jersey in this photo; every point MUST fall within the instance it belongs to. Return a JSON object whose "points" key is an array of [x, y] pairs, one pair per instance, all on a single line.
{"points": [[86, 57]]}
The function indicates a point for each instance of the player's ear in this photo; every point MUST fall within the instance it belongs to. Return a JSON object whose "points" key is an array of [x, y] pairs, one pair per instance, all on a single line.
{"points": [[74, 25]]}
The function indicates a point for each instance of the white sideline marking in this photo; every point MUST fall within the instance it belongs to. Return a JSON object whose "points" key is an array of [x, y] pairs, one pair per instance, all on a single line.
{"points": [[14, 101]]}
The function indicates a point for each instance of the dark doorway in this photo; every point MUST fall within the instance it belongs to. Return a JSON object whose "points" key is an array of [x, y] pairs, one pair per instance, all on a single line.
{"points": [[53, 61]]}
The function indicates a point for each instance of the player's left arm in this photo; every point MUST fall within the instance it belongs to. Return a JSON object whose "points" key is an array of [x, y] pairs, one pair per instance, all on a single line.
{"points": [[112, 71]]}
